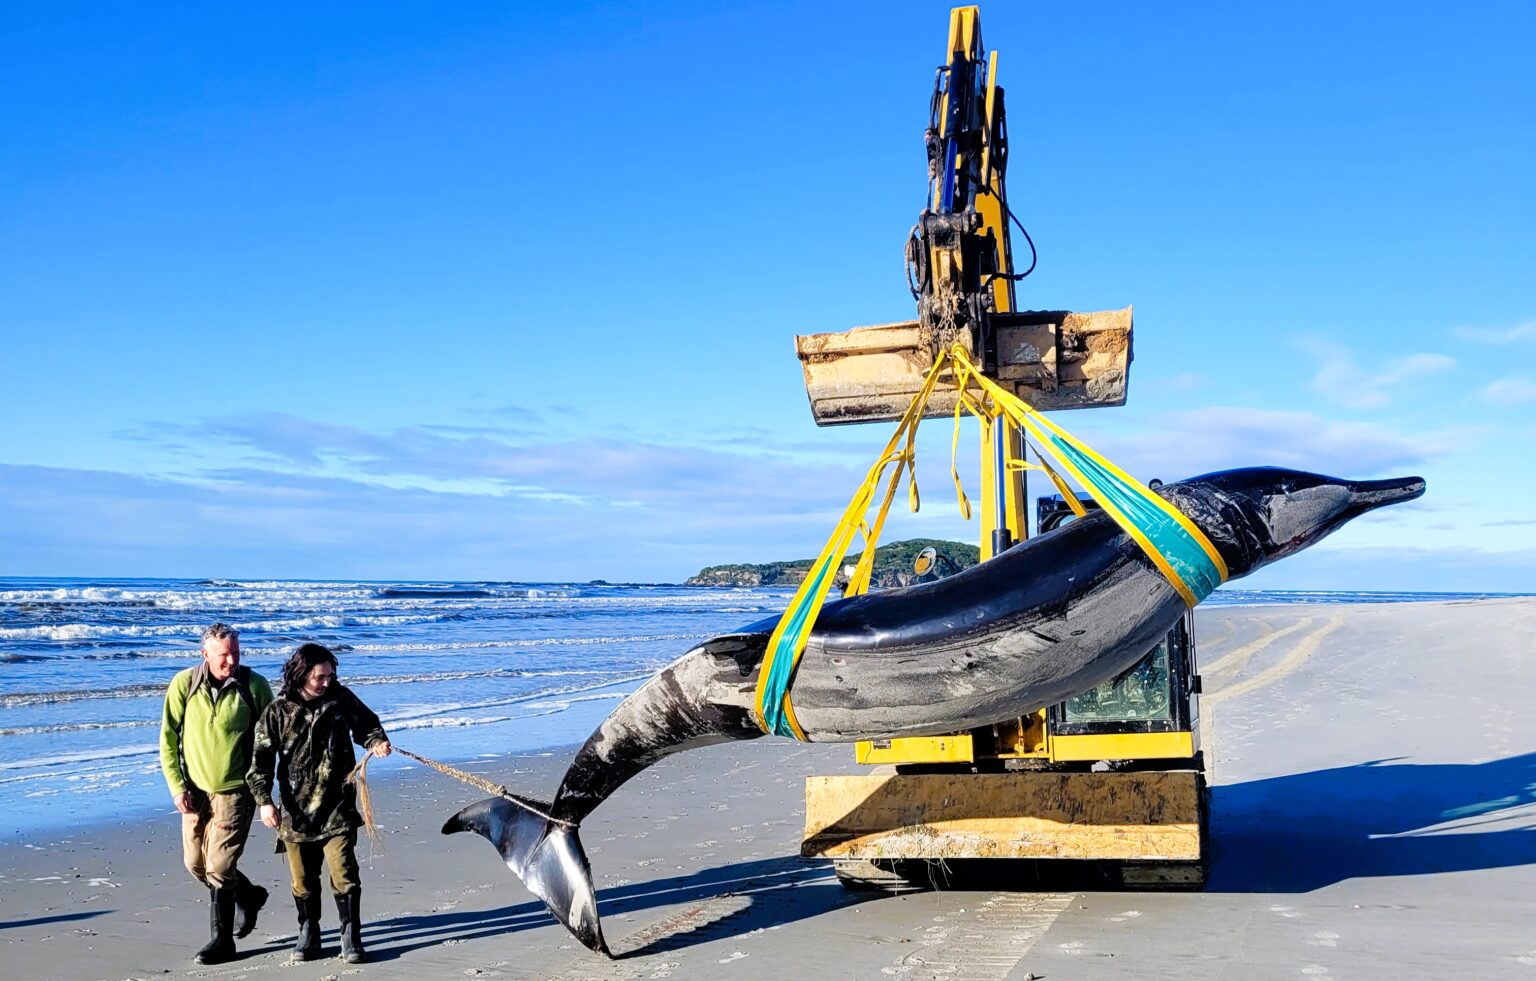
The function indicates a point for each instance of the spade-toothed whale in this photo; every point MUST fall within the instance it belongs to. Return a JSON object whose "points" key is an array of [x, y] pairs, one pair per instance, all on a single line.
{"points": [[1040, 623]]}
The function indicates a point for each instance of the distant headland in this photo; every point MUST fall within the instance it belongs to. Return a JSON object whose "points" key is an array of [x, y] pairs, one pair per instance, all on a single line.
{"points": [[893, 566]]}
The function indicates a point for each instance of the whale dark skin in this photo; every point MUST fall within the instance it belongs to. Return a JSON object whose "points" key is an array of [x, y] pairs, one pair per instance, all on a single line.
{"points": [[1042, 622]]}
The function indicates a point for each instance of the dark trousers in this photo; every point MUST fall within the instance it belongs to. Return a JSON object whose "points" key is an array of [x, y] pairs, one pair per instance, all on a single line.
{"points": [[339, 855]]}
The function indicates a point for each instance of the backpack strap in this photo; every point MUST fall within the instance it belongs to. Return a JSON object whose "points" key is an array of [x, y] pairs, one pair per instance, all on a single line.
{"points": [[186, 697], [243, 688]]}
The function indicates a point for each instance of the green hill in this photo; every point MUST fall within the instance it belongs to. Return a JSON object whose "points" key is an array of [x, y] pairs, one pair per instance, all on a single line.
{"points": [[893, 566]]}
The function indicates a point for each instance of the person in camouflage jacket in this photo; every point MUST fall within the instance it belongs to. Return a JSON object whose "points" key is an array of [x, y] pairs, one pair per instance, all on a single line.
{"points": [[305, 740]]}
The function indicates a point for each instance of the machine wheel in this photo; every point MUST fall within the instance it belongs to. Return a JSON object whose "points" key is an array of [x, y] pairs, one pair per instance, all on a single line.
{"points": [[881, 874]]}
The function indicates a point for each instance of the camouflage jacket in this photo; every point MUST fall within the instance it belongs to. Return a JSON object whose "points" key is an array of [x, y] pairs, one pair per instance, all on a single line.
{"points": [[308, 745]]}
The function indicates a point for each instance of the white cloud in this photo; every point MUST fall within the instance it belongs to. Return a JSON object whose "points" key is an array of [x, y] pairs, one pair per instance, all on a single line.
{"points": [[1221, 437], [1510, 391], [1506, 335], [1341, 380], [265, 522]]}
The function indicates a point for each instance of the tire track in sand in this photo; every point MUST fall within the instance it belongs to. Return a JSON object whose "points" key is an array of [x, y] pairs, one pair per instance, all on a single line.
{"points": [[691, 925], [678, 945], [1238, 659], [1304, 649], [984, 945]]}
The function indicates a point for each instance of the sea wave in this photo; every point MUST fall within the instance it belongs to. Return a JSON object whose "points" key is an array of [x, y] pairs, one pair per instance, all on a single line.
{"points": [[430, 676], [23, 699], [551, 700], [84, 756], [76, 727], [92, 777], [449, 722], [98, 631], [564, 703], [465, 645], [431, 592], [433, 711], [283, 650]]}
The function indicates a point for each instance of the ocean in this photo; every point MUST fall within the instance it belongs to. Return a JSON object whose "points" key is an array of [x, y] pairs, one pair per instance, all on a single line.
{"points": [[456, 670]]}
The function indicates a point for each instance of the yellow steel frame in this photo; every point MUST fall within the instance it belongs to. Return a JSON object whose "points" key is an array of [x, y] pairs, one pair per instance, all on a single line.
{"points": [[1124, 746], [957, 748], [1027, 737]]}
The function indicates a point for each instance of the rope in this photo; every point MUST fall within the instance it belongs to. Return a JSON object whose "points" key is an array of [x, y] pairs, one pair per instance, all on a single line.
{"points": [[359, 775]]}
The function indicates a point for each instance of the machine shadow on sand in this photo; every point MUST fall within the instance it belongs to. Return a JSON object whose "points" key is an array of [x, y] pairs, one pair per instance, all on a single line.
{"points": [[1303, 831]]}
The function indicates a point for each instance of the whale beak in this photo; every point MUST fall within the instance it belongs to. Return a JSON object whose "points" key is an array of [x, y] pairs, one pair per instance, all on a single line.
{"points": [[1367, 495]]}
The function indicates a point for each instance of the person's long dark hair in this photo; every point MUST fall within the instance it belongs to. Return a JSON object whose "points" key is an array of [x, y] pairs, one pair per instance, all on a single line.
{"points": [[296, 670]]}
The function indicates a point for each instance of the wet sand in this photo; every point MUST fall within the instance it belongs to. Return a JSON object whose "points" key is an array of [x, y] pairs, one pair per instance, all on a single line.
{"points": [[1374, 817]]}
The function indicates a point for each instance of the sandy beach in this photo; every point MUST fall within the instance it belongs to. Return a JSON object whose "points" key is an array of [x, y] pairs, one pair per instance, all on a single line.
{"points": [[1373, 771]]}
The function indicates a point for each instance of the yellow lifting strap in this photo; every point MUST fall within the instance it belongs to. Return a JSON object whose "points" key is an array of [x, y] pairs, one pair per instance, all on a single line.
{"points": [[773, 710], [1174, 544]]}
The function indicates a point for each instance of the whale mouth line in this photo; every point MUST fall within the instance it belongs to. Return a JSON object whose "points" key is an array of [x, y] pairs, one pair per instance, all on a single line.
{"points": [[1369, 494]]}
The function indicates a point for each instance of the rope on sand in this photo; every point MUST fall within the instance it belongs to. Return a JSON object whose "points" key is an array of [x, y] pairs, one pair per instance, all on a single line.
{"points": [[359, 776]]}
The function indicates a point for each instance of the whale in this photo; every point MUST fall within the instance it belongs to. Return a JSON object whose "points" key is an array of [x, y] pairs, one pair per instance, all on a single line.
{"points": [[1041, 622]]}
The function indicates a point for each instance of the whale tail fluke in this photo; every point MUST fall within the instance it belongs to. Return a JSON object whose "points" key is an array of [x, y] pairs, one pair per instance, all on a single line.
{"points": [[548, 857]]}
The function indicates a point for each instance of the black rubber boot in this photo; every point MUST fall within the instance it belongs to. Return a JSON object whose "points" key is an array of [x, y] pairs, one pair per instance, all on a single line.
{"points": [[249, 899], [221, 923], [307, 946], [351, 925]]}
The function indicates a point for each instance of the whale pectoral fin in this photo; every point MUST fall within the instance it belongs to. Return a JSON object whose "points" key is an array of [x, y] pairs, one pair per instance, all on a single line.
{"points": [[547, 856]]}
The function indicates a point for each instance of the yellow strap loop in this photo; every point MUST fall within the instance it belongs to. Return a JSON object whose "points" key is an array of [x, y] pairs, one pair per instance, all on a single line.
{"points": [[789, 637], [991, 402]]}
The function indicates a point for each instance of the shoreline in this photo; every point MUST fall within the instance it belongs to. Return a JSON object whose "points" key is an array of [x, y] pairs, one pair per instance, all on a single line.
{"points": [[48, 790]]}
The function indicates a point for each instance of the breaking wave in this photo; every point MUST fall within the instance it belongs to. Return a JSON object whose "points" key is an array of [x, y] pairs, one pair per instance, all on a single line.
{"points": [[76, 727], [99, 631], [466, 645]]}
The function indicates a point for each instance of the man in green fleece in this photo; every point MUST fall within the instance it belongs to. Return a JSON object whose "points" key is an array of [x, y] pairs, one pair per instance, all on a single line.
{"points": [[206, 735]]}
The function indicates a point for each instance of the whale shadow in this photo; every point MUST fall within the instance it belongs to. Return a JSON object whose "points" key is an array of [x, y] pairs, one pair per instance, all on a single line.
{"points": [[1303, 831], [736, 898]]}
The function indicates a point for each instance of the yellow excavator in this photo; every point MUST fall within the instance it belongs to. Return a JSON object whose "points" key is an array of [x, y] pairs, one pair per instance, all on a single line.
{"points": [[1114, 776]]}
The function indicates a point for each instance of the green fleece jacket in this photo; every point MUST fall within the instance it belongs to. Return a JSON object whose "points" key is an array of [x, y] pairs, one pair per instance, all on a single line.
{"points": [[206, 731]]}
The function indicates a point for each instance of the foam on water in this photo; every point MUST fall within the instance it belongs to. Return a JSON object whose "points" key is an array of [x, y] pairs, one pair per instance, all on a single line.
{"points": [[97, 631]]}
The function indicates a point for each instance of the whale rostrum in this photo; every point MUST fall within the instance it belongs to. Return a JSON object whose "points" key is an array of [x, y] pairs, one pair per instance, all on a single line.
{"points": [[1043, 621]]}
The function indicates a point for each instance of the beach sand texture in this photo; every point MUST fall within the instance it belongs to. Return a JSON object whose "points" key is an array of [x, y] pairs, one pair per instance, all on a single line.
{"points": [[1374, 817]]}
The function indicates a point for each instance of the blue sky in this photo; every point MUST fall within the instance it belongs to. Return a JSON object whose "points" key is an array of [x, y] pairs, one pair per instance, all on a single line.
{"points": [[506, 291]]}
